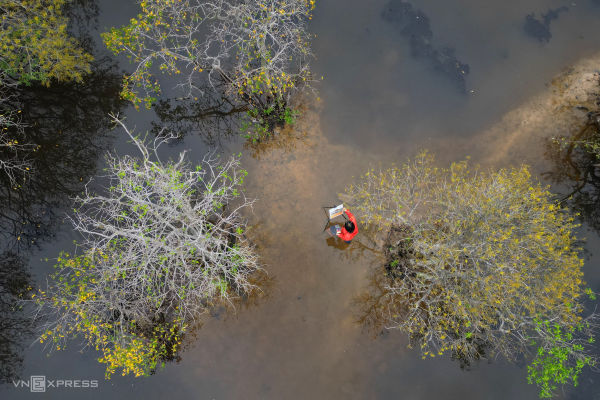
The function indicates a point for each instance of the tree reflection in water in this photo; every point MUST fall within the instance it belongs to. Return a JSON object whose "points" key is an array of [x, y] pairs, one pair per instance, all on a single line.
{"points": [[576, 166], [214, 117], [377, 306], [82, 14], [69, 125], [15, 327]]}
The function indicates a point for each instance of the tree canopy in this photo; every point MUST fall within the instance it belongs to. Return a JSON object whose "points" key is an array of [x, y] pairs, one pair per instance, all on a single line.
{"points": [[255, 50], [479, 262], [35, 44]]}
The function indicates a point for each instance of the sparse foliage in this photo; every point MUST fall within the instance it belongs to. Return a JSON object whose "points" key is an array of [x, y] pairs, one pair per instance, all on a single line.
{"points": [[254, 51], [161, 246], [475, 260]]}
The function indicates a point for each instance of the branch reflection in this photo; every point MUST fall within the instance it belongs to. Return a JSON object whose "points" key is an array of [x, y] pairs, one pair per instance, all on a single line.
{"points": [[68, 126], [68, 123], [15, 326], [575, 166], [214, 117]]}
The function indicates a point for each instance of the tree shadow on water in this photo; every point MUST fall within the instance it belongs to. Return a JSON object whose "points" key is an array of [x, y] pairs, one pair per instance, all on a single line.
{"points": [[575, 166], [215, 118], [15, 325], [219, 119], [63, 128], [82, 14], [69, 126]]}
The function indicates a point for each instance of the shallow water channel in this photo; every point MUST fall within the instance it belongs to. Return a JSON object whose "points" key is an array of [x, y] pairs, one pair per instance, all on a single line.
{"points": [[458, 81]]}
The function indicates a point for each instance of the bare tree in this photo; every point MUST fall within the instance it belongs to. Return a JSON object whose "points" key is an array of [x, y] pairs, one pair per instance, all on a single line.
{"points": [[161, 246], [254, 50]]}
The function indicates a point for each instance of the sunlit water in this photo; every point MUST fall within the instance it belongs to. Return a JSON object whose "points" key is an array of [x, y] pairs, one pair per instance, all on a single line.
{"points": [[379, 103]]}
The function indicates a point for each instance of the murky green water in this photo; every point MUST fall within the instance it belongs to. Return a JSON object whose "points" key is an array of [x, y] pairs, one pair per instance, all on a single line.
{"points": [[384, 95]]}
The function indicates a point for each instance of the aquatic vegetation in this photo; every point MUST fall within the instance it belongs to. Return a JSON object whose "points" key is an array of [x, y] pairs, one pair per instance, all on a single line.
{"points": [[260, 124], [475, 259], [165, 243]]}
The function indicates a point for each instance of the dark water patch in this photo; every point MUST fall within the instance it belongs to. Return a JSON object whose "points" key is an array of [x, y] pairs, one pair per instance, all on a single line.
{"points": [[218, 120], [575, 167], [415, 25], [15, 324], [540, 28], [64, 129], [68, 123]]}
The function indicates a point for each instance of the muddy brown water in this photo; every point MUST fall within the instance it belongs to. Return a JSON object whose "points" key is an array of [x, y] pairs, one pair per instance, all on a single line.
{"points": [[379, 103]]}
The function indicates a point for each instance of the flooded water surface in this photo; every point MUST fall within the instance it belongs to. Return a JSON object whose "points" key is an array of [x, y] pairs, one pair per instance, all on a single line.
{"points": [[457, 77]]}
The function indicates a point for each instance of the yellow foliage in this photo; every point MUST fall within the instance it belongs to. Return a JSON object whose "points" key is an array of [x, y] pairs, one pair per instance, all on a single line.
{"points": [[35, 45], [492, 251]]}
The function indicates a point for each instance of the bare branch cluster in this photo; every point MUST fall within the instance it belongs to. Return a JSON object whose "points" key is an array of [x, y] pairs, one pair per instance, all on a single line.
{"points": [[256, 49], [162, 245]]}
